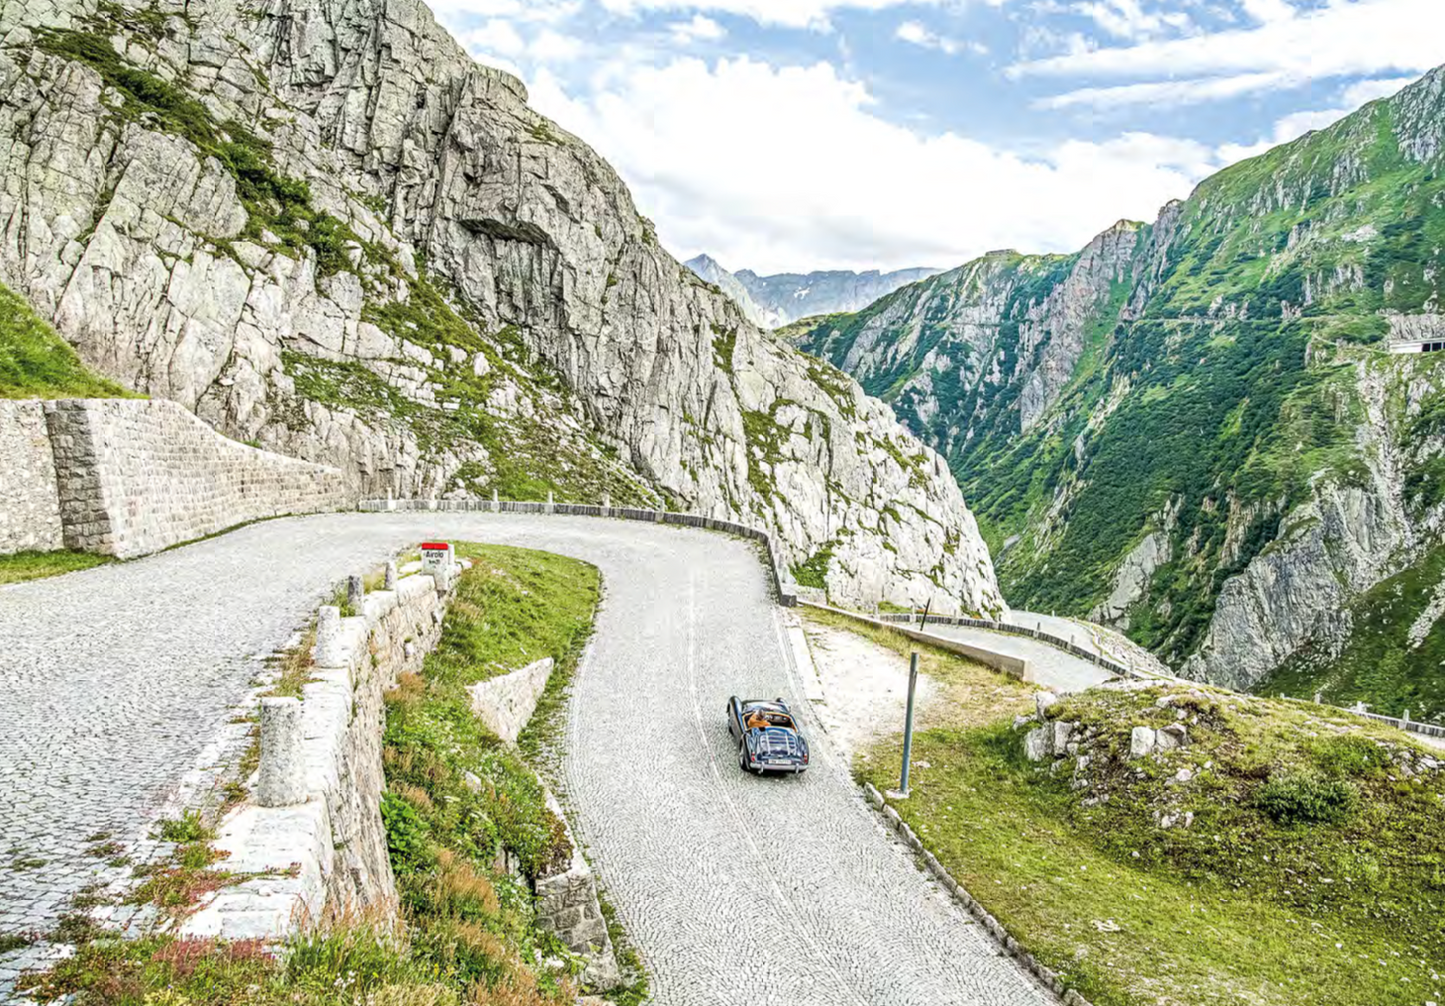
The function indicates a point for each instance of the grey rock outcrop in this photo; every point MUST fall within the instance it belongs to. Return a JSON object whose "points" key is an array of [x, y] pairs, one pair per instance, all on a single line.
{"points": [[337, 236]]}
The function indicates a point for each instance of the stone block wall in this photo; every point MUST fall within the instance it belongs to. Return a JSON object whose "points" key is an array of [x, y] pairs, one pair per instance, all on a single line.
{"points": [[136, 477], [330, 851], [29, 503], [506, 703], [567, 905]]}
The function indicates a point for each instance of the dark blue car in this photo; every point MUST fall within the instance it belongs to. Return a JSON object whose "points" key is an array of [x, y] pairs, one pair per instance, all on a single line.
{"points": [[767, 735]]}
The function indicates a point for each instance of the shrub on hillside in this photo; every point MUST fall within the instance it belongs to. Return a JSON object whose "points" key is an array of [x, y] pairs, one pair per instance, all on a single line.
{"points": [[1305, 798]]}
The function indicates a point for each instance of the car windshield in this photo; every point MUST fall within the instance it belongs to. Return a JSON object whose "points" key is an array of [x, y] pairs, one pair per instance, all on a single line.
{"points": [[761, 719]]}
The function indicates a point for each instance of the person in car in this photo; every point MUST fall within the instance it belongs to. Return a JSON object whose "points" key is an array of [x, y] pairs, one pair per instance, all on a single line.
{"points": [[758, 720]]}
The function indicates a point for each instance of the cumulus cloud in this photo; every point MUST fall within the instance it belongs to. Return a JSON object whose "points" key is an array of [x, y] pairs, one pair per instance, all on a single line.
{"points": [[699, 29], [1346, 37], [917, 33], [787, 13], [1127, 19], [792, 167]]}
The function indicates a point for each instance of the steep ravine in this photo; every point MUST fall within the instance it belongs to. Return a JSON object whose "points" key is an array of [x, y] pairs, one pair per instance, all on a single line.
{"points": [[326, 229], [1194, 429]]}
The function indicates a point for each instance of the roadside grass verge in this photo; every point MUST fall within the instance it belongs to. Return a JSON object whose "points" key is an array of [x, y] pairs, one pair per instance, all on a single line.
{"points": [[1311, 871], [19, 567], [35, 362], [468, 830]]}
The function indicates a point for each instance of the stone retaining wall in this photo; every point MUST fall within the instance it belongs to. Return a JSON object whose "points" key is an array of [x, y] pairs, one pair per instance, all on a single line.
{"points": [[29, 502], [139, 476], [506, 703], [330, 852]]}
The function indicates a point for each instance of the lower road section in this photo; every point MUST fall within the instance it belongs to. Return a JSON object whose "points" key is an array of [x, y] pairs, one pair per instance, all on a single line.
{"points": [[786, 891]]}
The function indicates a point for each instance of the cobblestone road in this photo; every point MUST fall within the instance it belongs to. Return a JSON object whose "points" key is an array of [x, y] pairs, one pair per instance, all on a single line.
{"points": [[789, 889]]}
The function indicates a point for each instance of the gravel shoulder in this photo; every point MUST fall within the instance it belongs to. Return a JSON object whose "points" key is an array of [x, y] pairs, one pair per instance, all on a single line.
{"points": [[723, 880]]}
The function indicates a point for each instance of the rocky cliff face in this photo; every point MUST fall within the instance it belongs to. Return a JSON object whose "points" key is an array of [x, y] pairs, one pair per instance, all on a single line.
{"points": [[710, 271], [781, 299], [1194, 429], [327, 230]]}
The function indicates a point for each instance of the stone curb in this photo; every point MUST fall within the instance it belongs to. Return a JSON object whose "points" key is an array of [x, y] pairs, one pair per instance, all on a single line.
{"points": [[294, 856], [1045, 975]]}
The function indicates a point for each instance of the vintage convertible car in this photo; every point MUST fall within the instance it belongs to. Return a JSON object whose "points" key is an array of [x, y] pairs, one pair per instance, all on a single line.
{"points": [[767, 736]]}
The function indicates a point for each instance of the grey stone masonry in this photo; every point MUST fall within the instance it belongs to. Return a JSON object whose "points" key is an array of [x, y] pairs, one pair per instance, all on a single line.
{"points": [[282, 781], [567, 905], [29, 503], [505, 704], [134, 477], [327, 850]]}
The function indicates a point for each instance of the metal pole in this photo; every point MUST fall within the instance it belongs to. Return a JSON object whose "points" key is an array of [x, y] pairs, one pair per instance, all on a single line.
{"points": [[921, 626], [908, 722]]}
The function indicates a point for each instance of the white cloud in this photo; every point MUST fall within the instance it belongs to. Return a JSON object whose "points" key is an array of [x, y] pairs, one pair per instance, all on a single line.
{"points": [[1127, 19], [699, 29], [1169, 93], [1266, 11], [1366, 91], [788, 13], [1346, 37], [916, 33], [1295, 125], [777, 168]]}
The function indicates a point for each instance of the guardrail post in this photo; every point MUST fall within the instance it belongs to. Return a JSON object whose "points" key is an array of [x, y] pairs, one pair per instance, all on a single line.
{"points": [[496, 503], [607, 504], [551, 503], [282, 776], [329, 651], [391, 575], [356, 594]]}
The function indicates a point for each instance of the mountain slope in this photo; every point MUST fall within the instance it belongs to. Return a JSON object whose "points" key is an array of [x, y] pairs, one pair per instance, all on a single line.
{"points": [[778, 300], [1193, 429], [326, 229], [709, 271]]}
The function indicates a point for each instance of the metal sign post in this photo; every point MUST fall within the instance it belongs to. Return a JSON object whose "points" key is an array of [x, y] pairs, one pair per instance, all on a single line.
{"points": [[908, 723], [908, 717]]}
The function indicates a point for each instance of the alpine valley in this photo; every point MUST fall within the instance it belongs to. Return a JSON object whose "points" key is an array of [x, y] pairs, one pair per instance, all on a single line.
{"points": [[1195, 429], [328, 231]]}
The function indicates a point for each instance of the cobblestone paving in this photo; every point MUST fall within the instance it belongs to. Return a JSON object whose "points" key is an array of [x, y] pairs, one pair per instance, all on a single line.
{"points": [[788, 887]]}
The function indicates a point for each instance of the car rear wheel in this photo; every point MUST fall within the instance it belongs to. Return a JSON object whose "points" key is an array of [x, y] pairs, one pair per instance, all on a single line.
{"points": [[743, 756]]}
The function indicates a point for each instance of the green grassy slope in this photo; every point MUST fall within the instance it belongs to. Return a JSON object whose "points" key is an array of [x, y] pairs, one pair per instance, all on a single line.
{"points": [[1288, 854], [35, 362]]}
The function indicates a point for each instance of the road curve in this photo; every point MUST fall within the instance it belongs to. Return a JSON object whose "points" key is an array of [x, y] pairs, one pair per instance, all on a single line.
{"points": [[732, 887]]}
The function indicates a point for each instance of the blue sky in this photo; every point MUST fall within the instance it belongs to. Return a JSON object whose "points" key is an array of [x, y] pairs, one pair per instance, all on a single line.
{"points": [[801, 134]]}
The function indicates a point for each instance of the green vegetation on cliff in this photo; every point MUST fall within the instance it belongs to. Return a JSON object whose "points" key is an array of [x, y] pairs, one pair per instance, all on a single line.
{"points": [[1288, 853], [35, 362], [1212, 382]]}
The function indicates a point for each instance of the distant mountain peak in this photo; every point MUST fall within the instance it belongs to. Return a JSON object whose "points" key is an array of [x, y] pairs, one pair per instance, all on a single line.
{"points": [[782, 298]]}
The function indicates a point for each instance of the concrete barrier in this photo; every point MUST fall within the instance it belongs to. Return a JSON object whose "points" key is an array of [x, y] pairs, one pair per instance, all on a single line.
{"points": [[1017, 667]]}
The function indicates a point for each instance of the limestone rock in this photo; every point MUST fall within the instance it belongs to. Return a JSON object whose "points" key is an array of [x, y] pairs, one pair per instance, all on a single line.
{"points": [[489, 294], [1038, 743], [1142, 741]]}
